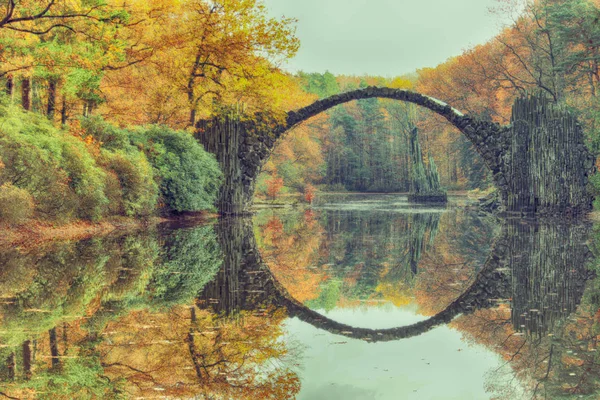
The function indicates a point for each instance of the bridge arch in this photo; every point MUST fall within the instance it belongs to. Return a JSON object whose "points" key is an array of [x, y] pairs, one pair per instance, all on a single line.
{"points": [[248, 276], [488, 284], [553, 183], [513, 269]]}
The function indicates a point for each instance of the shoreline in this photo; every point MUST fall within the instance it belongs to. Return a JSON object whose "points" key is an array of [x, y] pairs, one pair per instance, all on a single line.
{"points": [[36, 233]]}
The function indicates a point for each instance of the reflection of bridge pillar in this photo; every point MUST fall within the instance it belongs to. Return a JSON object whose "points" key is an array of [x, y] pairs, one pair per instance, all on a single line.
{"points": [[241, 283], [547, 261]]}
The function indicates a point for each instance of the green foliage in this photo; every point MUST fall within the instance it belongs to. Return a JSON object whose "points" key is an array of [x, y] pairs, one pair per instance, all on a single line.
{"points": [[110, 137], [261, 184], [129, 272], [86, 179], [137, 193], [369, 153], [477, 173], [323, 85], [329, 296], [79, 378], [190, 259], [189, 176], [57, 169], [94, 282], [119, 172], [595, 186], [16, 205], [130, 183]]}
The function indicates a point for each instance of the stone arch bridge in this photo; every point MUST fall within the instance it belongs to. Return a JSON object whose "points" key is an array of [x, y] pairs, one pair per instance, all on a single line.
{"points": [[539, 162]]}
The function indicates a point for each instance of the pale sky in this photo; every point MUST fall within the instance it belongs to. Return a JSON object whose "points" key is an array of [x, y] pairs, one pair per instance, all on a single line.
{"points": [[384, 37]]}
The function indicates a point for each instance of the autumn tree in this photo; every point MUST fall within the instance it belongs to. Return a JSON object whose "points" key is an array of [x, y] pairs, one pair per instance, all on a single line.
{"points": [[291, 250], [41, 17], [274, 186], [62, 46], [309, 193]]}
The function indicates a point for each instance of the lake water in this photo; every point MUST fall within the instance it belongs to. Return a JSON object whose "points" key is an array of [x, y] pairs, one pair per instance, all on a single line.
{"points": [[358, 297]]}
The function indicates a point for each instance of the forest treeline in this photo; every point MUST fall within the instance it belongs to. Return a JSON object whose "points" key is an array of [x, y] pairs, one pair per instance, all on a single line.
{"points": [[101, 98]]}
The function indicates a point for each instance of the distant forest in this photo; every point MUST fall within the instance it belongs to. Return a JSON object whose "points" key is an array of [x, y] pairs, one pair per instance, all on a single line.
{"points": [[364, 146]]}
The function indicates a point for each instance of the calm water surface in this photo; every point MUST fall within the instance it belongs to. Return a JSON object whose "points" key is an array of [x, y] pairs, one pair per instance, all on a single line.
{"points": [[359, 297]]}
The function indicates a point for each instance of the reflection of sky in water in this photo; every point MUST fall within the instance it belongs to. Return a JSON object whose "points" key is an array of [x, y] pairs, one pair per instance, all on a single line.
{"points": [[376, 317], [384, 204], [435, 365], [369, 207]]}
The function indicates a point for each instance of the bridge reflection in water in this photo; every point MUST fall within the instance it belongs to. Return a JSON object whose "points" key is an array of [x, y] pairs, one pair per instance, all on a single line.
{"points": [[521, 303], [539, 268], [126, 311]]}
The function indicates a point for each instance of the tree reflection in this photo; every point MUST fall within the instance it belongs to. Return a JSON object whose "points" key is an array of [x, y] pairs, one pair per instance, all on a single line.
{"points": [[188, 352], [200, 311], [105, 318], [350, 258], [544, 332]]}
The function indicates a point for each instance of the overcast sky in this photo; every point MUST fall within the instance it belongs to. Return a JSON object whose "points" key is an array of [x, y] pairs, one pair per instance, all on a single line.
{"points": [[384, 37]]}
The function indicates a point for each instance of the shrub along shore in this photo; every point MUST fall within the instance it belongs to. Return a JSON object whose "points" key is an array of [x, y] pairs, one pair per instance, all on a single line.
{"points": [[96, 172]]}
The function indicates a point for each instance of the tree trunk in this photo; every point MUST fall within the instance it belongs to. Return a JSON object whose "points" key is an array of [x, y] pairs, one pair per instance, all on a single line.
{"points": [[192, 117], [10, 86], [27, 359], [10, 365], [53, 348], [26, 93], [63, 111], [50, 111], [65, 338], [88, 108]]}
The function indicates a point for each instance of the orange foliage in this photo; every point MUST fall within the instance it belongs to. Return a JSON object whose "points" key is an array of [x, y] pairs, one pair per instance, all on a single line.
{"points": [[291, 255], [309, 193], [274, 186], [186, 355]]}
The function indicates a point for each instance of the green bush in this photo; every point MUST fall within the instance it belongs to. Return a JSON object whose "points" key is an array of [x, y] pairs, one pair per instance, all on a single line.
{"points": [[189, 176], [30, 167], [16, 205], [56, 168], [122, 172], [190, 258], [86, 179], [135, 186], [109, 136]]}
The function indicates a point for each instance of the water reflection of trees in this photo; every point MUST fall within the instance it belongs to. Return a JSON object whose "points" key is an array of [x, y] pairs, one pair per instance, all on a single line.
{"points": [[116, 317], [543, 330], [526, 305], [107, 318], [354, 257]]}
